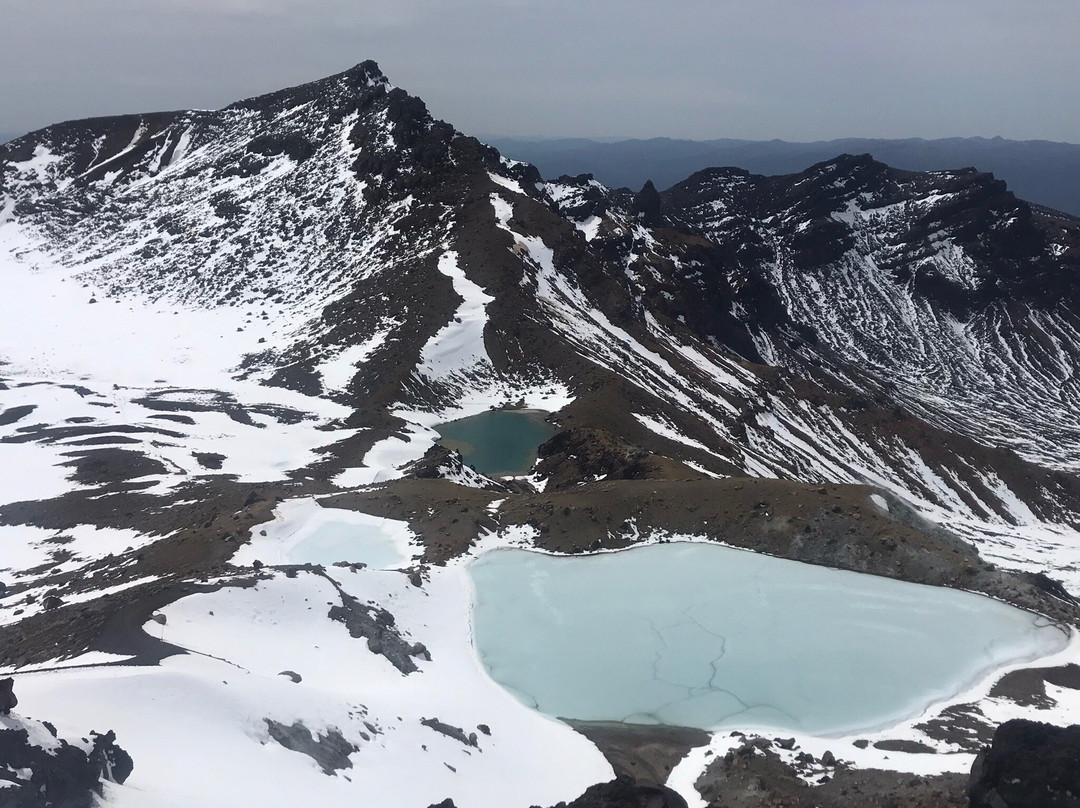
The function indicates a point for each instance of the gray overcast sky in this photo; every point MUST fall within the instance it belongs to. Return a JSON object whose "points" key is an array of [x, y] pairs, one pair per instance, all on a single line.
{"points": [[792, 69]]}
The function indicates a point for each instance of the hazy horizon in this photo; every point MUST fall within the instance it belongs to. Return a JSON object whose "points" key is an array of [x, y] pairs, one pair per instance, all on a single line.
{"points": [[617, 139], [761, 70], [6, 135]]}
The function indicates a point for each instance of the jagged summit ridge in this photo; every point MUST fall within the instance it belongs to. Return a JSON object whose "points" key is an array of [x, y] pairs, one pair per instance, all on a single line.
{"points": [[226, 186], [357, 81]]}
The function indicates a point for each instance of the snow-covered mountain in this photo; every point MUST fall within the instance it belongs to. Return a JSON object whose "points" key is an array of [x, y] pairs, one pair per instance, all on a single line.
{"points": [[206, 313]]}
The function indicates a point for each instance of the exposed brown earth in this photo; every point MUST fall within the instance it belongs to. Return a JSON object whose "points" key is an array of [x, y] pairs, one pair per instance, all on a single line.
{"points": [[645, 753], [1028, 686], [194, 542]]}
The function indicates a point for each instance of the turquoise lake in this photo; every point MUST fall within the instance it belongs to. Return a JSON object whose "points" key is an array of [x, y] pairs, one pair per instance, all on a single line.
{"points": [[706, 636], [498, 442]]}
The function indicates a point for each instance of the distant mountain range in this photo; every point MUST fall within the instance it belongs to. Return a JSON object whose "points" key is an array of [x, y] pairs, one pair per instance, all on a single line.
{"points": [[1040, 171]]}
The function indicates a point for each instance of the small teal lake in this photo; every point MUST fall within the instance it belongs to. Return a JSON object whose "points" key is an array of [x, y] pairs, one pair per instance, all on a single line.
{"points": [[706, 636], [498, 442]]}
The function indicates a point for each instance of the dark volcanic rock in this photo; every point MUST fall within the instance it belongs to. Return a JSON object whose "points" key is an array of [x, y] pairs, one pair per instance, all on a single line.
{"points": [[377, 626], [8, 700], [450, 731], [1028, 765], [625, 792], [113, 763], [911, 747], [647, 204], [209, 460], [442, 462], [105, 466], [40, 771], [580, 454], [755, 776], [329, 749], [13, 414], [429, 467], [641, 751], [292, 144], [964, 725], [1027, 686]]}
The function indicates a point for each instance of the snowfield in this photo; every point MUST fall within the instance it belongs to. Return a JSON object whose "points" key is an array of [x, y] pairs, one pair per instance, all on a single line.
{"points": [[165, 379], [206, 710]]}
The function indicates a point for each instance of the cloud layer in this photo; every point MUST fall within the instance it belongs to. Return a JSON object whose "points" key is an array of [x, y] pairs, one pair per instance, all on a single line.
{"points": [[699, 68]]}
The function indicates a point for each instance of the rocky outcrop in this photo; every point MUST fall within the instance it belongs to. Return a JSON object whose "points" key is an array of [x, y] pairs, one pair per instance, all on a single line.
{"points": [[1028, 765], [329, 749], [764, 773], [625, 792], [450, 731], [8, 699], [40, 770], [377, 626], [580, 454], [430, 466], [441, 462]]}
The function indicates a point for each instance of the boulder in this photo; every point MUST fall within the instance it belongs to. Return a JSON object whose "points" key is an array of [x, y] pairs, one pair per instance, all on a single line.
{"points": [[1028, 765], [626, 792], [8, 700]]}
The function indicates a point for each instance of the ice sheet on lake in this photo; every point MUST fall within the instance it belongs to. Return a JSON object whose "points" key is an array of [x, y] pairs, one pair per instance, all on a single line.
{"points": [[303, 532], [712, 637]]}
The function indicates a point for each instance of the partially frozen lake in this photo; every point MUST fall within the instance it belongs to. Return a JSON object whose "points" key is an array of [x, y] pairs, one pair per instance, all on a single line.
{"points": [[498, 442], [706, 636], [303, 532]]}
